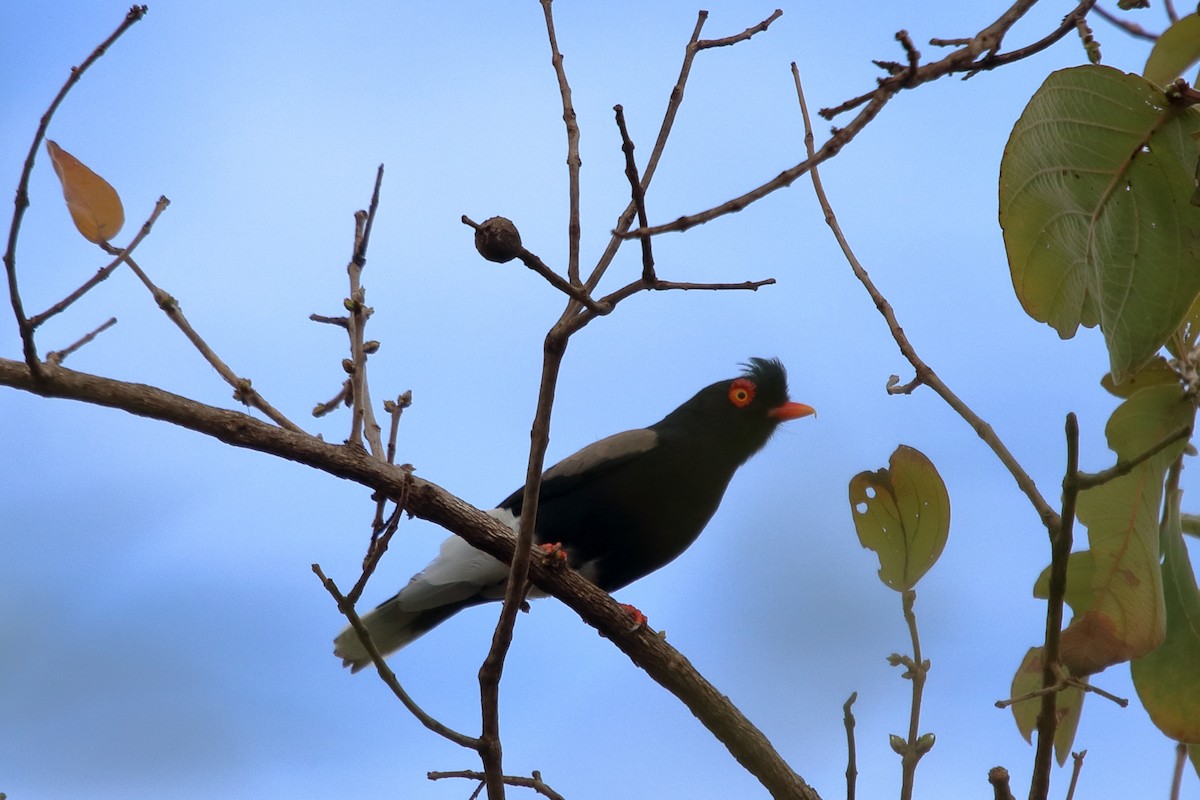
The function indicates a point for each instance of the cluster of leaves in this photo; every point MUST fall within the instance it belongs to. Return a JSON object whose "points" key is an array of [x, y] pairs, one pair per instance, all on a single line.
{"points": [[1102, 228]]}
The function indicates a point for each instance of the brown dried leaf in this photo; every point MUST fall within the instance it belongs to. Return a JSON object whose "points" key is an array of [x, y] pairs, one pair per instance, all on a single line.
{"points": [[94, 204]]}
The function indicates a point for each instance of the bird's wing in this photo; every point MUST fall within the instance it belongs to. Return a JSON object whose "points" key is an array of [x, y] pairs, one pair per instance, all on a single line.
{"points": [[459, 572], [595, 459]]}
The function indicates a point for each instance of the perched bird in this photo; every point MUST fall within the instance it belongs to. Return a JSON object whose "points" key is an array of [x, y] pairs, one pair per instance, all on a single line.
{"points": [[620, 508]]}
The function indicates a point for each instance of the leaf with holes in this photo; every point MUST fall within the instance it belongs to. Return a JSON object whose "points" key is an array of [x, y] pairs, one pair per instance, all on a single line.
{"points": [[94, 204], [1095, 189], [903, 514]]}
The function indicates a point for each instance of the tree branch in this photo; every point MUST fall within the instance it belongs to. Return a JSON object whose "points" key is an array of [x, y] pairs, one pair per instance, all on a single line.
{"points": [[665, 665]]}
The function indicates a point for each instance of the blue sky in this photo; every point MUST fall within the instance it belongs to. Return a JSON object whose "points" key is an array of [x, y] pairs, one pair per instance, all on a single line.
{"points": [[162, 632]]}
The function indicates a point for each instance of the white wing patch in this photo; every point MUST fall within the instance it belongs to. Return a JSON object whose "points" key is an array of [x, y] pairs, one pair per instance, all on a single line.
{"points": [[459, 572]]}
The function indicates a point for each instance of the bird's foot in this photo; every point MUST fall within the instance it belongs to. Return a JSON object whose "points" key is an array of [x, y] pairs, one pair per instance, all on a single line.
{"points": [[639, 619], [555, 553]]}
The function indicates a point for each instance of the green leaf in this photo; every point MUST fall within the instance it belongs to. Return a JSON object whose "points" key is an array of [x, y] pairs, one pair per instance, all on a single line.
{"points": [[1069, 705], [1081, 572], [1094, 202], [1175, 51], [1168, 679], [1126, 617], [903, 514], [1155, 372]]}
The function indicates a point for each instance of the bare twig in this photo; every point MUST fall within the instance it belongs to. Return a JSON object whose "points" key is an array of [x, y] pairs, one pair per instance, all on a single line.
{"points": [[1061, 538], [998, 778], [363, 422], [966, 59], [58, 356], [1086, 480], [385, 672], [676, 100], [492, 668], [705, 44], [1076, 768], [574, 231], [343, 396], [1181, 756], [916, 745], [851, 758], [123, 254], [1172, 14], [535, 782], [639, 196], [1132, 28], [381, 537], [924, 373], [243, 391]]}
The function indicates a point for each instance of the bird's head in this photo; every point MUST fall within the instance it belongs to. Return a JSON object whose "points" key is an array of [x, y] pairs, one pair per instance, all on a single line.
{"points": [[738, 415]]}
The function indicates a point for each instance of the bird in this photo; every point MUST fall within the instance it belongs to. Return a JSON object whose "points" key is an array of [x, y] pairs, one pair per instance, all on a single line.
{"points": [[619, 509]]}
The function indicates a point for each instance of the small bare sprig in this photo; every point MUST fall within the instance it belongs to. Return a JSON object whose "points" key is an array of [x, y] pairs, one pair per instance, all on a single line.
{"points": [[1076, 768], [363, 423], [385, 673], [998, 778], [534, 782], [851, 757], [243, 391], [58, 356]]}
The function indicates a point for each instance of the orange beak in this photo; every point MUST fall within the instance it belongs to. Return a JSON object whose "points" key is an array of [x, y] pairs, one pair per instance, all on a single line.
{"points": [[791, 411]]}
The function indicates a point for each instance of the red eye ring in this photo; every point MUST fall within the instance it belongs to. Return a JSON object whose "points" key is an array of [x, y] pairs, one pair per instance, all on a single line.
{"points": [[741, 392]]}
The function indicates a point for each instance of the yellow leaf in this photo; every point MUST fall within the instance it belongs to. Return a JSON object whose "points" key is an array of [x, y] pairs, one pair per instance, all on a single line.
{"points": [[94, 204], [903, 514]]}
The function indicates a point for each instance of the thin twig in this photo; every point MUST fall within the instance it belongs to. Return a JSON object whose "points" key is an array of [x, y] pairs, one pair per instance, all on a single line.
{"points": [[21, 201], [363, 423], [1061, 539], [662, 286], [705, 44], [243, 391], [492, 669], [574, 230], [851, 758], [1181, 755], [343, 396], [385, 672], [998, 778], [1132, 28], [1088, 480], [924, 373], [639, 196], [58, 356], [535, 782], [918, 668], [673, 104], [122, 255], [1076, 768], [965, 59]]}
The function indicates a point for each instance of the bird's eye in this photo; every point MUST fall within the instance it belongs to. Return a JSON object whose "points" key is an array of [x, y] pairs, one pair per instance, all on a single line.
{"points": [[741, 392]]}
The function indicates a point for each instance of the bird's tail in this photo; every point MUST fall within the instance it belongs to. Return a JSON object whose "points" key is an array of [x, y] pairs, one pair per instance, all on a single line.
{"points": [[392, 627]]}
